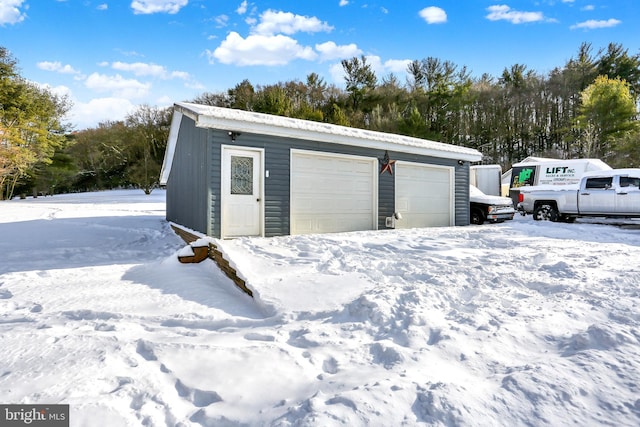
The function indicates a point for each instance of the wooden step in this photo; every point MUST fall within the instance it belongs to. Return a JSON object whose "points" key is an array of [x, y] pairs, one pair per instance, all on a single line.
{"points": [[212, 252]]}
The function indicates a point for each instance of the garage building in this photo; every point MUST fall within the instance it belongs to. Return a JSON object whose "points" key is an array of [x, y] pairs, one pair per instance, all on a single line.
{"points": [[231, 173]]}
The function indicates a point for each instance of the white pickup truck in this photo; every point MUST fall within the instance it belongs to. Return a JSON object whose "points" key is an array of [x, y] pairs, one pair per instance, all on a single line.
{"points": [[607, 193], [485, 207]]}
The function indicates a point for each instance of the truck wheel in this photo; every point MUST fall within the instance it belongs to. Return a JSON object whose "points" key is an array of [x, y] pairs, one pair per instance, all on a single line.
{"points": [[477, 217], [545, 213]]}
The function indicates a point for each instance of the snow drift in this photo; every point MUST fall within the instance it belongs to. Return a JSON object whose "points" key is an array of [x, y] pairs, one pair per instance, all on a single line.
{"points": [[520, 323]]}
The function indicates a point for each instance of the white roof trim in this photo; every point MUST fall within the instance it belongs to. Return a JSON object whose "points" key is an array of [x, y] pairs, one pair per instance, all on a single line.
{"points": [[206, 116], [171, 147]]}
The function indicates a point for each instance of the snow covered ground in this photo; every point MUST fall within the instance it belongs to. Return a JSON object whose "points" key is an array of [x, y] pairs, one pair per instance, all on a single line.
{"points": [[517, 324]]}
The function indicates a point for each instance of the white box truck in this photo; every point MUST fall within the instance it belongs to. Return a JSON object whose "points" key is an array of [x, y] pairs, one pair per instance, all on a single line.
{"points": [[486, 178], [536, 171]]}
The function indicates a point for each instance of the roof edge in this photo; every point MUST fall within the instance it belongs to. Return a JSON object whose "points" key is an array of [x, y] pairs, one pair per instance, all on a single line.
{"points": [[169, 152], [260, 123]]}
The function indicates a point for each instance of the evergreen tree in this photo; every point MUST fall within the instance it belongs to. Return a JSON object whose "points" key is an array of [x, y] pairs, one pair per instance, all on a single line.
{"points": [[360, 80]]}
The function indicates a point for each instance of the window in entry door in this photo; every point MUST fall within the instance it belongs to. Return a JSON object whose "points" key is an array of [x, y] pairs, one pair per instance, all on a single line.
{"points": [[241, 175]]}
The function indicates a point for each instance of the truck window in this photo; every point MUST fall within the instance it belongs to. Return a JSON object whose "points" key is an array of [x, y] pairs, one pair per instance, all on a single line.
{"points": [[522, 175], [600, 183], [628, 181]]}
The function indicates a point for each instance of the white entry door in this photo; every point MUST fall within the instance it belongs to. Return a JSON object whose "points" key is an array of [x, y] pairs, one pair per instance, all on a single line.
{"points": [[241, 192]]}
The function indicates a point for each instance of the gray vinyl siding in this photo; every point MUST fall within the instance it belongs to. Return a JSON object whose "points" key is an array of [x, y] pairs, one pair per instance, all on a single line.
{"points": [[215, 182], [277, 186], [277, 159], [386, 194], [462, 194], [188, 183]]}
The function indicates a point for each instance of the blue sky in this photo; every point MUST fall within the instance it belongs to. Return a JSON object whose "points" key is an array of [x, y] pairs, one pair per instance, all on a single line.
{"points": [[111, 56]]}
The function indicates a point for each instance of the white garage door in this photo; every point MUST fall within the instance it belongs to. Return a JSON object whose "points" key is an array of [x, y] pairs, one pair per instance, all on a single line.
{"points": [[424, 195], [332, 193]]}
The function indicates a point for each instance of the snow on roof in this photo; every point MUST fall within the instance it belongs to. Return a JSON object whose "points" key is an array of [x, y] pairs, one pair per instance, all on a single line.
{"points": [[595, 164], [207, 116], [635, 172]]}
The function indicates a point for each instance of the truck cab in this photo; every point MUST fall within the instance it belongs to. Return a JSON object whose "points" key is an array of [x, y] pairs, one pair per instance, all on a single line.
{"points": [[617, 194]]}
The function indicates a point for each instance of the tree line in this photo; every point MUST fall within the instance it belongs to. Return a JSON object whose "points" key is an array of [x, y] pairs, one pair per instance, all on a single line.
{"points": [[39, 155], [586, 108]]}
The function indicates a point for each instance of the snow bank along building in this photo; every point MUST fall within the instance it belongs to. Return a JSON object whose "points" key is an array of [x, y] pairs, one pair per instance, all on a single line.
{"points": [[231, 173]]}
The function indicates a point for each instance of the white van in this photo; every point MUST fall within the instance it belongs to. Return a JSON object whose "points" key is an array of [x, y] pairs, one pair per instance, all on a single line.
{"points": [[534, 171]]}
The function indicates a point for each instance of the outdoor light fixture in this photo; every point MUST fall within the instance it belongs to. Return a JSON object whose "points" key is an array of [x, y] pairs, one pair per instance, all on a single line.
{"points": [[233, 135], [461, 162]]}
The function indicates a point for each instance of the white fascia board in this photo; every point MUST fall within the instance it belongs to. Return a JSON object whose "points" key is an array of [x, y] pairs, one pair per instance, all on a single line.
{"points": [[171, 147], [265, 124]]}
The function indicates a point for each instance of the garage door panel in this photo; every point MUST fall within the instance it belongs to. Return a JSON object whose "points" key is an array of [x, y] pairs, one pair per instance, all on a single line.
{"points": [[424, 195], [332, 193]]}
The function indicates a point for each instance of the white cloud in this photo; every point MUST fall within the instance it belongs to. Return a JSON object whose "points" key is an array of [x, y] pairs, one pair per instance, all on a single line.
{"points": [[272, 22], [117, 85], [242, 9], [433, 15], [182, 75], [87, 115], [505, 13], [164, 101], [194, 85], [376, 65], [260, 50], [56, 67], [144, 69], [102, 6], [141, 69], [221, 20], [10, 12], [381, 69], [57, 90], [330, 51], [397, 66], [269, 43], [588, 8], [337, 73], [145, 7], [592, 24], [344, 2]]}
